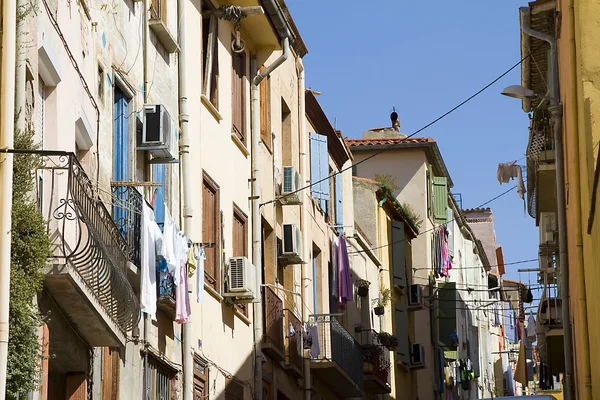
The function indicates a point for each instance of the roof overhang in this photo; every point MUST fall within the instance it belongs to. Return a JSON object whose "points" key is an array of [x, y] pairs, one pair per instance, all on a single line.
{"points": [[431, 149]]}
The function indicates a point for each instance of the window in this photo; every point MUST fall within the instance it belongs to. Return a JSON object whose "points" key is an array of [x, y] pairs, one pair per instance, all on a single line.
{"points": [[440, 199], [211, 224], [160, 380], [201, 388], [158, 10], [238, 95], [210, 56], [111, 363], [41, 111], [158, 196], [121, 157], [100, 84], [233, 390], [265, 111], [240, 242], [319, 169]]}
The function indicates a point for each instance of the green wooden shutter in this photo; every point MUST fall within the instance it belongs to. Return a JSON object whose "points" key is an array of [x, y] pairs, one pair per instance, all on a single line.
{"points": [[398, 259], [447, 301], [402, 350], [440, 199]]}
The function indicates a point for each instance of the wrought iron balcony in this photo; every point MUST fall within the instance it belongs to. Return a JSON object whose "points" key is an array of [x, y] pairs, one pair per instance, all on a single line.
{"points": [[293, 343], [273, 325], [91, 258], [377, 364], [340, 360], [127, 214], [166, 293]]}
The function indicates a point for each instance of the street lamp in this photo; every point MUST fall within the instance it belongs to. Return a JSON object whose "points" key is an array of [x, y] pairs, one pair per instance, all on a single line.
{"points": [[519, 92]]}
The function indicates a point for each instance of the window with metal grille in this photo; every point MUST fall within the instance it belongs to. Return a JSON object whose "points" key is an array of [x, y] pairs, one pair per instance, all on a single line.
{"points": [[160, 380]]}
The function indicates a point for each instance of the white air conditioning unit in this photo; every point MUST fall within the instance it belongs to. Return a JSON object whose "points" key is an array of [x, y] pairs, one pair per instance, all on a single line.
{"points": [[160, 135], [415, 296], [291, 252], [291, 183], [547, 227], [417, 356], [242, 280]]}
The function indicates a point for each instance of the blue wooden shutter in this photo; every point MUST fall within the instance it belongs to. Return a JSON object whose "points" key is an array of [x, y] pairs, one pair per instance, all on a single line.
{"points": [[337, 186], [440, 199], [314, 271], [401, 324], [121, 156], [159, 194], [398, 258], [319, 169]]}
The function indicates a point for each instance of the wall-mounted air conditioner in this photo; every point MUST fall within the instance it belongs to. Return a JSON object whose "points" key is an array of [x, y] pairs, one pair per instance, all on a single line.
{"points": [[547, 227], [242, 280], [291, 251], [291, 183], [417, 356], [160, 135], [415, 296]]}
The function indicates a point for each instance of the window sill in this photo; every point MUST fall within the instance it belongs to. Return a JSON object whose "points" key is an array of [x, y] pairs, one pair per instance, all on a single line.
{"points": [[241, 316], [168, 41], [240, 145], [208, 289], [213, 110]]}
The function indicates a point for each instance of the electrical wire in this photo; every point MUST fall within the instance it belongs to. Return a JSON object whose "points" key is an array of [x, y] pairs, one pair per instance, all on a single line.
{"points": [[391, 146], [434, 228], [496, 265]]}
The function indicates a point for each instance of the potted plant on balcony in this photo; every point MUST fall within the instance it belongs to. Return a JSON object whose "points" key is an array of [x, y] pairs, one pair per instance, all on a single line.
{"points": [[363, 287], [388, 340], [385, 295]]}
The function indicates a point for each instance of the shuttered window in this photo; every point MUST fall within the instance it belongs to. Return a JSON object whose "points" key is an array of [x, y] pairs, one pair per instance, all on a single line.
{"points": [[110, 374], [158, 199], [238, 95], [265, 111], [338, 210], [401, 324], [447, 301], [319, 169], [158, 10], [211, 232], [440, 199], [201, 388], [210, 55], [398, 258], [160, 380], [240, 242]]}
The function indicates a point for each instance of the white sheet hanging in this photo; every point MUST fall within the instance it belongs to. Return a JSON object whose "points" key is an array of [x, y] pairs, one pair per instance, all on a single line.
{"points": [[151, 234]]}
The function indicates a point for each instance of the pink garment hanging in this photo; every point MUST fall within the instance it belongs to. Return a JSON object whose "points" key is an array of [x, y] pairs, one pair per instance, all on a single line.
{"points": [[182, 298]]}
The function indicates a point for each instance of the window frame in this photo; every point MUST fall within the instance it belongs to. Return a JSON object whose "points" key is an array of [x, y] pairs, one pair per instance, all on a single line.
{"points": [[158, 10], [238, 100], [154, 367], [201, 378], [213, 281], [210, 50], [265, 111], [239, 215]]}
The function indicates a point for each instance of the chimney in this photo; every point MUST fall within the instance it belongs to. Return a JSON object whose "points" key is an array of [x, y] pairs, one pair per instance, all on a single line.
{"points": [[395, 121]]}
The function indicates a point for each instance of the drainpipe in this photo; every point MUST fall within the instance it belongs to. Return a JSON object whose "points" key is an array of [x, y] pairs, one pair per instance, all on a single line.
{"points": [[304, 211], [145, 36], [556, 112], [584, 392], [7, 127], [184, 159], [20, 72], [256, 223]]}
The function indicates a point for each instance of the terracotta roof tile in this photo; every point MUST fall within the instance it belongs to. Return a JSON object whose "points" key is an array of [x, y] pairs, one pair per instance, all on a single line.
{"points": [[386, 141], [360, 178]]}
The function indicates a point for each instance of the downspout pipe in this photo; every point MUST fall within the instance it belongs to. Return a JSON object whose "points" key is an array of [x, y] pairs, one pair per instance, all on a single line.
{"points": [[184, 159], [7, 121], [145, 37], [304, 210], [556, 111], [256, 221]]}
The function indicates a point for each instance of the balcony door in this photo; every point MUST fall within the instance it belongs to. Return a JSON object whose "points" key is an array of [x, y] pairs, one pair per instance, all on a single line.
{"points": [[120, 158]]}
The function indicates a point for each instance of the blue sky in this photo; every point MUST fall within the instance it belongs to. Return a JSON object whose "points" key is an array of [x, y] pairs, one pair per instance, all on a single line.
{"points": [[424, 57]]}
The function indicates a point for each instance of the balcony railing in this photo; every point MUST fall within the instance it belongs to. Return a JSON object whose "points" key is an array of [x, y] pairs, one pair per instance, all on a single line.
{"points": [[339, 346], [86, 236], [127, 214], [377, 362], [294, 345], [273, 324]]}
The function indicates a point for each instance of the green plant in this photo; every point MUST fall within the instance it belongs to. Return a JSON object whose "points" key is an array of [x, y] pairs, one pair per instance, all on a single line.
{"points": [[30, 250], [388, 180], [363, 283], [385, 295], [406, 210], [388, 340], [411, 215]]}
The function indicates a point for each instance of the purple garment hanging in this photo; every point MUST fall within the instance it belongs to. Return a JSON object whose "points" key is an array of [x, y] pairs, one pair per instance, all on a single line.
{"points": [[343, 268]]}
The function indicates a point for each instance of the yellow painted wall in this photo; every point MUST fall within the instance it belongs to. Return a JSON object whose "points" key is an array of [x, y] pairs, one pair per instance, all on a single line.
{"points": [[579, 71]]}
